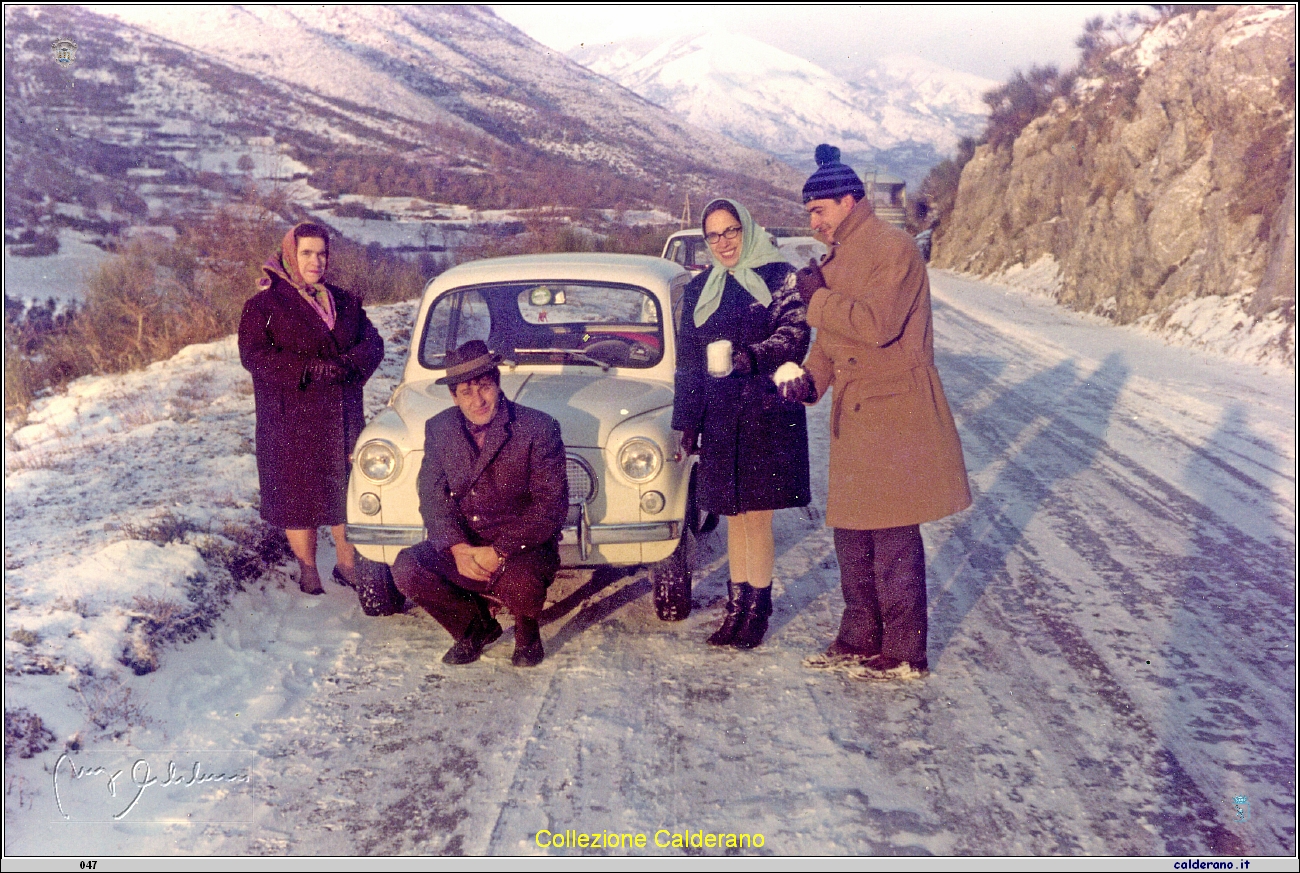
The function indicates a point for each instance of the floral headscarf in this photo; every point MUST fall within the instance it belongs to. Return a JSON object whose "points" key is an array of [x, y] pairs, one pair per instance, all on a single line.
{"points": [[756, 249]]}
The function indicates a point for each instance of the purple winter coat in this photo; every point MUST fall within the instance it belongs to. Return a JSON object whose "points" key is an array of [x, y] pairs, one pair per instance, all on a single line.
{"points": [[305, 430]]}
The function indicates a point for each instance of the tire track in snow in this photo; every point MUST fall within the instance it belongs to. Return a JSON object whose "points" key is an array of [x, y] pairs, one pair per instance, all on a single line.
{"points": [[1063, 451]]}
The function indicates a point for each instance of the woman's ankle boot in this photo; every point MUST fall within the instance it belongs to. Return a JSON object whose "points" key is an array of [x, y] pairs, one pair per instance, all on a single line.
{"points": [[753, 623], [738, 596]]}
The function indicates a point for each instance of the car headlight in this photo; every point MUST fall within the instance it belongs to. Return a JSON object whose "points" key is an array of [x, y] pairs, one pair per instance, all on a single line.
{"points": [[379, 460], [640, 459]]}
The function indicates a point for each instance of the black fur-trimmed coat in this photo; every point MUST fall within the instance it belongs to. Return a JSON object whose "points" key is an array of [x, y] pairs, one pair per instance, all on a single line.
{"points": [[305, 430], [754, 445]]}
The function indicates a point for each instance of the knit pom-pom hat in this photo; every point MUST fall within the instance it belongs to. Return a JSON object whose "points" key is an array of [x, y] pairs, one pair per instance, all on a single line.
{"points": [[832, 180]]}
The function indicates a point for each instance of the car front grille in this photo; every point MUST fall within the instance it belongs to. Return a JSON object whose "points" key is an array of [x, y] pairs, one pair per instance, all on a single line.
{"points": [[582, 481]]}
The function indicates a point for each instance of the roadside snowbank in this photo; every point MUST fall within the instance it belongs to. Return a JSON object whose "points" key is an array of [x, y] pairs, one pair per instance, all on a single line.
{"points": [[1213, 323]]}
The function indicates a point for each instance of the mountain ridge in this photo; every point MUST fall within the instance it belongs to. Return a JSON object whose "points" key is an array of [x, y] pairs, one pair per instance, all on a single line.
{"points": [[903, 114]]}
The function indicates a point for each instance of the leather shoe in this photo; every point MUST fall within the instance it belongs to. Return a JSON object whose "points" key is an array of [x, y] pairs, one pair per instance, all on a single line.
{"points": [[528, 644], [309, 580], [348, 579], [478, 636], [884, 669]]}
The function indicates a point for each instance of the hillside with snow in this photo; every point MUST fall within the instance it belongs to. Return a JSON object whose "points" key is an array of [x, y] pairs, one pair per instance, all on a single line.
{"points": [[168, 112], [900, 113]]}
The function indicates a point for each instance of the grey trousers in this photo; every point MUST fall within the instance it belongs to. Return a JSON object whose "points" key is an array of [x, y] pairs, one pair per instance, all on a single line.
{"points": [[882, 574]]}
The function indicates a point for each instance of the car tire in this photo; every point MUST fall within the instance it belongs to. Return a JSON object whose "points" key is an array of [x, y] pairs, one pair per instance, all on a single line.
{"points": [[671, 580]]}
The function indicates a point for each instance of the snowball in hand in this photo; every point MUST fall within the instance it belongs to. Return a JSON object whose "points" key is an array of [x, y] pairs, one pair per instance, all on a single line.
{"points": [[787, 372]]}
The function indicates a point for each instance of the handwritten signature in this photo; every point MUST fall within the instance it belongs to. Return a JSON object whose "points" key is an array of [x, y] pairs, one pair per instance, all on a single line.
{"points": [[141, 777]]}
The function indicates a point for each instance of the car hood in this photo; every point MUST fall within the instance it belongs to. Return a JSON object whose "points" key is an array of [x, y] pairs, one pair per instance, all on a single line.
{"points": [[588, 406]]}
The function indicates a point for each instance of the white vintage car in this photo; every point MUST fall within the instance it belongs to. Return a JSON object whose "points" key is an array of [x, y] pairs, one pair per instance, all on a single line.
{"points": [[589, 339]]}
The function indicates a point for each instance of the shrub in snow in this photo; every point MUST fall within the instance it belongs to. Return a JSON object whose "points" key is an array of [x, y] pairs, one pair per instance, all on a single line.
{"points": [[25, 733], [107, 703]]}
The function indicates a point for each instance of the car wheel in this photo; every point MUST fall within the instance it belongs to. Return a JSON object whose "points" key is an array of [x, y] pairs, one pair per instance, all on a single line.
{"points": [[671, 578]]}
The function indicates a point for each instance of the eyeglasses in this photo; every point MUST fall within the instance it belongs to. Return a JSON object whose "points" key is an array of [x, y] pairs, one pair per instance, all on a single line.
{"points": [[729, 233]]}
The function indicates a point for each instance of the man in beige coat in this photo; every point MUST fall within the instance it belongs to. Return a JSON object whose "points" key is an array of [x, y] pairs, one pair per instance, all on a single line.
{"points": [[895, 457]]}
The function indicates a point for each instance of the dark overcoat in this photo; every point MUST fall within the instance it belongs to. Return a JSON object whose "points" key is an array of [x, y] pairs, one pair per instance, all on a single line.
{"points": [[305, 430], [896, 458], [753, 444], [512, 494]]}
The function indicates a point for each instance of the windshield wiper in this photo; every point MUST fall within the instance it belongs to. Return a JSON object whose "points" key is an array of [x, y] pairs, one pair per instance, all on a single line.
{"points": [[571, 353]]}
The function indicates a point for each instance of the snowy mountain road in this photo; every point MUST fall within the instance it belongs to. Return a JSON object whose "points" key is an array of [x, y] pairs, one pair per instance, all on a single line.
{"points": [[1112, 646]]}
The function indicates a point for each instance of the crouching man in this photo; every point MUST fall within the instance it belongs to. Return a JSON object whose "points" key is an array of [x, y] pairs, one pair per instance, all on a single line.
{"points": [[493, 495]]}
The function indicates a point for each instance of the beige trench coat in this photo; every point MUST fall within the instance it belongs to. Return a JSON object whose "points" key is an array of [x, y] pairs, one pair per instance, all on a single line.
{"points": [[895, 455]]}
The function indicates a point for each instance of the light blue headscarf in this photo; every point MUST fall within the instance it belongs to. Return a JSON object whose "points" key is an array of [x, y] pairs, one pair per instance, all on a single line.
{"points": [[756, 249]]}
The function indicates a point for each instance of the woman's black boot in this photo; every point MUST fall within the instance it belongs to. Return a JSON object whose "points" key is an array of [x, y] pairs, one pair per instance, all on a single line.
{"points": [[739, 594], [753, 623]]}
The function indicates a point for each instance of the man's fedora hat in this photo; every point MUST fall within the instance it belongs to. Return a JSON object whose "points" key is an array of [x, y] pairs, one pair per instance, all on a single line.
{"points": [[468, 362]]}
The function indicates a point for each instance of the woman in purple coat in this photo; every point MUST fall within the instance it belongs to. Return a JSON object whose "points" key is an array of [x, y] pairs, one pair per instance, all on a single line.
{"points": [[310, 349]]}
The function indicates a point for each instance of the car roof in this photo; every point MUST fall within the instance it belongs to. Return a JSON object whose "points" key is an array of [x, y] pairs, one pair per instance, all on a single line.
{"points": [[577, 266]]}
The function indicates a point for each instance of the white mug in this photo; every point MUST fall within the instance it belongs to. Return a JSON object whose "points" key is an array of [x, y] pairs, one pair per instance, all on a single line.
{"points": [[719, 355]]}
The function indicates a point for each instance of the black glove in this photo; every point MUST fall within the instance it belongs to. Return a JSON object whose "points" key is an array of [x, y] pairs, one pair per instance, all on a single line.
{"points": [[808, 280], [742, 361], [690, 441], [324, 371], [801, 390], [352, 372]]}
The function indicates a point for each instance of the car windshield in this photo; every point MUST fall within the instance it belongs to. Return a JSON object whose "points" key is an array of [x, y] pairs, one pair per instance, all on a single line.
{"points": [[584, 323]]}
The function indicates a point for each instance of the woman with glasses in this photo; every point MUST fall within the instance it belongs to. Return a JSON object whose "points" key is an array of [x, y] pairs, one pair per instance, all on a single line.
{"points": [[740, 321]]}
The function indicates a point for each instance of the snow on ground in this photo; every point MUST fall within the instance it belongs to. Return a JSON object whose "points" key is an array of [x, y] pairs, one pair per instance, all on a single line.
{"points": [[1112, 639], [62, 276], [1215, 323]]}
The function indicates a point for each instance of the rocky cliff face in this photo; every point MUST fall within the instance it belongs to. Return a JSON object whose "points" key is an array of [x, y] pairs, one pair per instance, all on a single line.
{"points": [[1165, 182]]}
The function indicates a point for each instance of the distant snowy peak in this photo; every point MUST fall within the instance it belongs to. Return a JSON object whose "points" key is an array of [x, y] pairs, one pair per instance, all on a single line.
{"points": [[753, 93], [942, 90], [897, 107]]}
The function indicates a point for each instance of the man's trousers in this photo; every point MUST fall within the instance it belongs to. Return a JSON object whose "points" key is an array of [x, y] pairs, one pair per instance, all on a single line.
{"points": [[882, 574], [429, 577]]}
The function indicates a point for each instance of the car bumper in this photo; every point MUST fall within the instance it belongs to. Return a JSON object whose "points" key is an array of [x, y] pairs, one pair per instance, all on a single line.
{"points": [[580, 534]]}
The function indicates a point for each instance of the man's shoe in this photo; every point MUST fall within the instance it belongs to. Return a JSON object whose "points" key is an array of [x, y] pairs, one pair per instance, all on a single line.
{"points": [[477, 637], [837, 658], [528, 644], [753, 624], [884, 669], [738, 596]]}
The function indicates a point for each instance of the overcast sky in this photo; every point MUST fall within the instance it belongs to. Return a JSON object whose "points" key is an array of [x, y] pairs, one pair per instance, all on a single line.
{"points": [[988, 40]]}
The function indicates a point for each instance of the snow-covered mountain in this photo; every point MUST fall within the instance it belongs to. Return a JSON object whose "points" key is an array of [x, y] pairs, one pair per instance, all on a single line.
{"points": [[448, 63], [447, 103], [900, 112]]}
